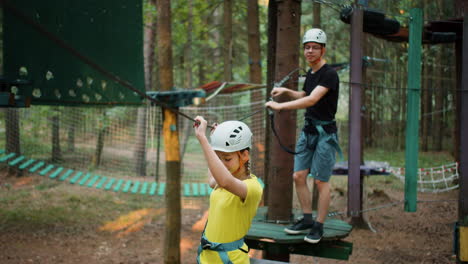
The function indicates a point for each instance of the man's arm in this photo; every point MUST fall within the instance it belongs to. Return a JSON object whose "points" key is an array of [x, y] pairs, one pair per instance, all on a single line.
{"points": [[301, 102], [292, 94]]}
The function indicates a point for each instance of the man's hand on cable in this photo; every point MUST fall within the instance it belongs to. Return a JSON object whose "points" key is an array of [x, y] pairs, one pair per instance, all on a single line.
{"points": [[277, 91], [273, 105]]}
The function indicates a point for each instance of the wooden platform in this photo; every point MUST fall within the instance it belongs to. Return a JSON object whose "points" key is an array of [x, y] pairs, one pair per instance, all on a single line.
{"points": [[271, 236]]}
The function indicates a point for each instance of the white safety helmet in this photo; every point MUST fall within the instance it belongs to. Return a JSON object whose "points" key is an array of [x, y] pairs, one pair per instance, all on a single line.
{"points": [[315, 35], [231, 136]]}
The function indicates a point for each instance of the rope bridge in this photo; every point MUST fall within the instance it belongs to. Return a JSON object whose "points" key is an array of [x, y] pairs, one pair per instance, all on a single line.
{"points": [[436, 179]]}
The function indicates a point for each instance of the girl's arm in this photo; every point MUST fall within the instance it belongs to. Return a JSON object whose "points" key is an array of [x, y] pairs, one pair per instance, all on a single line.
{"points": [[211, 180], [220, 173]]}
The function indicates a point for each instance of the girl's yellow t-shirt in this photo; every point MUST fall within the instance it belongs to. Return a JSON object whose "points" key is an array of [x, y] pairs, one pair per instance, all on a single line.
{"points": [[229, 220]]}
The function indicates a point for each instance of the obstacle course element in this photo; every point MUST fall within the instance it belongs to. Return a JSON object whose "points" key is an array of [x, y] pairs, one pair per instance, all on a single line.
{"points": [[91, 180], [177, 98], [369, 168], [271, 236], [9, 90]]}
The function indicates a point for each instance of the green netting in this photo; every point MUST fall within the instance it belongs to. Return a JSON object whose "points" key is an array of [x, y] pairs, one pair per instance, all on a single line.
{"points": [[108, 32]]}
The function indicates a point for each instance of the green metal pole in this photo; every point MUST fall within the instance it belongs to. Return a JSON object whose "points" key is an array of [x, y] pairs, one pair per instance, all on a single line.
{"points": [[412, 120]]}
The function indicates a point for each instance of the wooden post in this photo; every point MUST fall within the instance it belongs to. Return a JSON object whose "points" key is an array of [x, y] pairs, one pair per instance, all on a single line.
{"points": [[280, 184], [412, 120], [354, 160], [171, 138], [271, 63], [463, 169]]}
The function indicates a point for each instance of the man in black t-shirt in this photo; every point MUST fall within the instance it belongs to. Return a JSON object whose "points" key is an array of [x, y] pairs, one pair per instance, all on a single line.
{"points": [[318, 141]]}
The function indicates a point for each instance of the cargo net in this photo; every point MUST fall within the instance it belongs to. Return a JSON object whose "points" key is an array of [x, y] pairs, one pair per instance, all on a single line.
{"points": [[436, 179], [122, 142]]}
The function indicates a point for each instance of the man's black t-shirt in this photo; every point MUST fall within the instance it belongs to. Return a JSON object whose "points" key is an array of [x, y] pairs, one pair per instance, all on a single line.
{"points": [[325, 108]]}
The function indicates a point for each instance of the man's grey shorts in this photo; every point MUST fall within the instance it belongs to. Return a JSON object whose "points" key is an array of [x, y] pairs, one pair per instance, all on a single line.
{"points": [[319, 155]]}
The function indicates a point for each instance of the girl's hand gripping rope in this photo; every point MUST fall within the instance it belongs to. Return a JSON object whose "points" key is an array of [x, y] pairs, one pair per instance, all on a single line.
{"points": [[200, 126]]}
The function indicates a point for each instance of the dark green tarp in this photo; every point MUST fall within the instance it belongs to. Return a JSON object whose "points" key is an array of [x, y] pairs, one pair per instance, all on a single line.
{"points": [[107, 32]]}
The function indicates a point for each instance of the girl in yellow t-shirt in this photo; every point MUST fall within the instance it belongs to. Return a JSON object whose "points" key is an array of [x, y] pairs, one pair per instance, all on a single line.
{"points": [[236, 194]]}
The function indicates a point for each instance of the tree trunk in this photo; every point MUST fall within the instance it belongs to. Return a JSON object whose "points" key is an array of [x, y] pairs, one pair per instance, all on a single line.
{"points": [[141, 129], [188, 49], [100, 141], [74, 115], [149, 51], [140, 144], [439, 105], [227, 47], [12, 136], [316, 15], [255, 76], [271, 62], [171, 140], [56, 152], [287, 60]]}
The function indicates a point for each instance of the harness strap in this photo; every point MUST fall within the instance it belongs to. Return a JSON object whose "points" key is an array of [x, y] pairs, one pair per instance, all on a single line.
{"points": [[221, 248], [318, 124]]}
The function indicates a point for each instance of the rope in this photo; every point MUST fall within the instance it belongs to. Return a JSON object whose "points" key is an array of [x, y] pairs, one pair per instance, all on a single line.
{"points": [[426, 176]]}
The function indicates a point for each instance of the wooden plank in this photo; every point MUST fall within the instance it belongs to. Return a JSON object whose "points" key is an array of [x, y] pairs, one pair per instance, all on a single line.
{"points": [[84, 179], [127, 186], [135, 187], [118, 185], [101, 182], [16, 161], [109, 184], [334, 249], [162, 188], [186, 189], [463, 231], [195, 191], [333, 229], [46, 170], [93, 181], [152, 191], [36, 166], [7, 157], [203, 189], [144, 188], [56, 173], [66, 174], [76, 177], [26, 164]]}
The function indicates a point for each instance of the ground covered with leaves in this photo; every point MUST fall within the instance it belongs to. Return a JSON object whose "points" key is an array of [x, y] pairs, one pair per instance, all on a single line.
{"points": [[47, 221]]}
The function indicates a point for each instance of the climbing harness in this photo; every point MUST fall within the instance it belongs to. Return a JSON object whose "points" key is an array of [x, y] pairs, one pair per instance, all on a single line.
{"points": [[221, 248]]}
